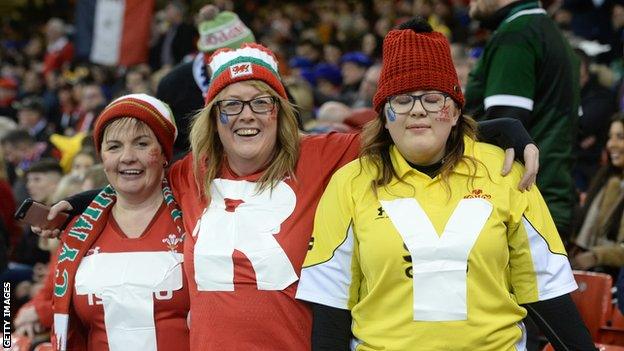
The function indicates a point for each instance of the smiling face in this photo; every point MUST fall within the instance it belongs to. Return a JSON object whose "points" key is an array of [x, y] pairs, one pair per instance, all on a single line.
{"points": [[419, 135], [133, 159], [615, 144], [248, 138]]}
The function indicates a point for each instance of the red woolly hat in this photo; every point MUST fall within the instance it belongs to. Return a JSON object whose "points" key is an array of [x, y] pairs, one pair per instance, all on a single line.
{"points": [[251, 62], [151, 111], [416, 61]]}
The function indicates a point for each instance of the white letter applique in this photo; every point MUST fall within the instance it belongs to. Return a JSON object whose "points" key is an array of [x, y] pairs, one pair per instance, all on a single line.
{"points": [[240, 218], [439, 262], [126, 282]]}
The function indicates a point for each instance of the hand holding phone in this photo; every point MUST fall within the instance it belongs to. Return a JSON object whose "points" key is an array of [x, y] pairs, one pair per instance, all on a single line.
{"points": [[36, 214]]}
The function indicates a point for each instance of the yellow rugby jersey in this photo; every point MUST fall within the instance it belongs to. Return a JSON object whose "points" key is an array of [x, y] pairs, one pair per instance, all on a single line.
{"points": [[424, 268]]}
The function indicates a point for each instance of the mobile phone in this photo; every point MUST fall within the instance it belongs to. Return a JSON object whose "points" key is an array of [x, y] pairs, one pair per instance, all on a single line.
{"points": [[36, 213]]}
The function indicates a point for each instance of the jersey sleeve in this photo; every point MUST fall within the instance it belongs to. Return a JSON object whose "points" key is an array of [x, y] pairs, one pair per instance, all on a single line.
{"points": [[511, 74], [330, 274], [181, 176], [539, 266]]}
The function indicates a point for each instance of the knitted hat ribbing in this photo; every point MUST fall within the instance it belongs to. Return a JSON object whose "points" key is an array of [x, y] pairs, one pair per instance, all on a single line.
{"points": [[416, 61], [151, 111], [251, 62]]}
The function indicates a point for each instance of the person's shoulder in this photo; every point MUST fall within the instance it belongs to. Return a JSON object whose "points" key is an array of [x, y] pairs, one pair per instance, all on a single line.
{"points": [[328, 139], [493, 158], [183, 71], [489, 151]]}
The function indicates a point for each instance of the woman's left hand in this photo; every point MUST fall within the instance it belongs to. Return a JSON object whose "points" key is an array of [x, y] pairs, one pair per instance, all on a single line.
{"points": [[531, 165]]}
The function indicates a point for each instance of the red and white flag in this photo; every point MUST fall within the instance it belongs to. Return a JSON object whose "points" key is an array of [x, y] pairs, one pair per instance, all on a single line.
{"points": [[121, 32]]}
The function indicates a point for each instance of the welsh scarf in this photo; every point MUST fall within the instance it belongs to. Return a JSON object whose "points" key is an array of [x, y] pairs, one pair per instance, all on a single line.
{"points": [[78, 239]]}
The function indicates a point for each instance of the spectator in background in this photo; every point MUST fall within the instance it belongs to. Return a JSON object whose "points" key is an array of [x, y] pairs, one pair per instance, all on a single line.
{"points": [[137, 81], [68, 108], [368, 87], [42, 179], [177, 41], [353, 66], [82, 162], [424, 8], [31, 117], [311, 49], [8, 93], [92, 101], [600, 238], [518, 76], [10, 231], [20, 152], [332, 53], [60, 50], [591, 20], [32, 83], [94, 178], [328, 79], [598, 106], [184, 87]]}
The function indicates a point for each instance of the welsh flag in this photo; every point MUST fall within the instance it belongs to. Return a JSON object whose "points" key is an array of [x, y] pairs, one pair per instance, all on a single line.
{"points": [[113, 32]]}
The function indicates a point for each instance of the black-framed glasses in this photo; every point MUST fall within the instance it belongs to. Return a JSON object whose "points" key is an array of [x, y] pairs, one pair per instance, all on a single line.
{"points": [[431, 102], [261, 104]]}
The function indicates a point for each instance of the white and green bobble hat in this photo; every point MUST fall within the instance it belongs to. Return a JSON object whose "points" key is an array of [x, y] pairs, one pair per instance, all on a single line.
{"points": [[226, 30]]}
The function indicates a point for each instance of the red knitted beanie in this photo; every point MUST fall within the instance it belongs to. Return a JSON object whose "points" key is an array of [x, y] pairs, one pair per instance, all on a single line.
{"points": [[416, 61], [251, 62], [151, 111]]}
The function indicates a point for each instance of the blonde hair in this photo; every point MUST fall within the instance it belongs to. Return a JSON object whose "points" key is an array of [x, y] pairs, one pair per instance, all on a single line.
{"points": [[208, 151], [124, 125], [376, 142]]}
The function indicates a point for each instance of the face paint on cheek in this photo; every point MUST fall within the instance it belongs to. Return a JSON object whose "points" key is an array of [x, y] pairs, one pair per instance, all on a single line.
{"points": [[273, 116], [443, 115], [223, 118], [391, 115], [153, 156]]}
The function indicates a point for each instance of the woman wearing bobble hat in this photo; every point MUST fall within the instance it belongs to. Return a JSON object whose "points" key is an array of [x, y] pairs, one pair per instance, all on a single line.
{"points": [[420, 244], [249, 190], [120, 282]]}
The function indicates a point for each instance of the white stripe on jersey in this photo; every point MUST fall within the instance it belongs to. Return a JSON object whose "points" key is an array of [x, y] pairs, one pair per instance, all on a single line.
{"points": [[334, 276], [552, 270], [508, 100], [538, 11]]}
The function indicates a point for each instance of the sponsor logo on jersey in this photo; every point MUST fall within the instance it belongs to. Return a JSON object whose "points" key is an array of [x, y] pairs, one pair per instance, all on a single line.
{"points": [[477, 194], [172, 242], [381, 214]]}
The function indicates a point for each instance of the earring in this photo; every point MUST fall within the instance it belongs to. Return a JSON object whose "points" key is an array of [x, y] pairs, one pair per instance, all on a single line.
{"points": [[223, 118], [391, 115], [165, 164]]}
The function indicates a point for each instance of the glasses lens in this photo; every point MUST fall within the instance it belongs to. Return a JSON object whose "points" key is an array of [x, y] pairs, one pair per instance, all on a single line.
{"points": [[262, 104], [231, 107], [433, 102], [401, 103]]}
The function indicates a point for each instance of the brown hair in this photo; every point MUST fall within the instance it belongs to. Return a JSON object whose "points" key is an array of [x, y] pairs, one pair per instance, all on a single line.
{"points": [[376, 142], [208, 150]]}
